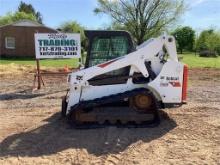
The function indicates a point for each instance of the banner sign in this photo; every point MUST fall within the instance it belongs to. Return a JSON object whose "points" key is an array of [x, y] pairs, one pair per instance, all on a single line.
{"points": [[57, 45]]}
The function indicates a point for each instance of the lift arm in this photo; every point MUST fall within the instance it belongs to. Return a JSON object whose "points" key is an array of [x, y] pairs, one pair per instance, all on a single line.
{"points": [[144, 52]]}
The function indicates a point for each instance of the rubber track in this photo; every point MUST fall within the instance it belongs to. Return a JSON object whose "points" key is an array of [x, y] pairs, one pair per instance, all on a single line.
{"points": [[111, 99]]}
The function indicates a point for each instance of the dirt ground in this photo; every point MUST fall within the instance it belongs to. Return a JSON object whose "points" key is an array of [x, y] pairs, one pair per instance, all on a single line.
{"points": [[32, 132]]}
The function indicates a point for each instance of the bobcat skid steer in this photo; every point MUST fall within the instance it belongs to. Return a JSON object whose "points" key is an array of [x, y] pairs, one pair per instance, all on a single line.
{"points": [[123, 84]]}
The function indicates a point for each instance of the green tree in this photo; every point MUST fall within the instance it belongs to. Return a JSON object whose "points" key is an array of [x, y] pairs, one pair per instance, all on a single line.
{"points": [[213, 41], [209, 41], [74, 27], [13, 17], [201, 41], [218, 43], [185, 37], [142, 18], [29, 9]]}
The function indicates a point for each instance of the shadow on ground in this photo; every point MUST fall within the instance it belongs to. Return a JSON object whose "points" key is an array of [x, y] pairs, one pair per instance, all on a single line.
{"points": [[13, 96], [56, 135], [25, 94]]}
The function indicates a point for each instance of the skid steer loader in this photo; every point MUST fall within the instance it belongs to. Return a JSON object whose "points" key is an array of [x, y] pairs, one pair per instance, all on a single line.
{"points": [[123, 84]]}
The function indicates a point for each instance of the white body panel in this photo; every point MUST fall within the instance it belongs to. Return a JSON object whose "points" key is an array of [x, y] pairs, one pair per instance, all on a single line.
{"points": [[167, 86], [164, 83]]}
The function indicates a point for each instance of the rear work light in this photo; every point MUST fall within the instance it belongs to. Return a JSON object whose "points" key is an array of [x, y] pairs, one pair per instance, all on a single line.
{"points": [[185, 81]]}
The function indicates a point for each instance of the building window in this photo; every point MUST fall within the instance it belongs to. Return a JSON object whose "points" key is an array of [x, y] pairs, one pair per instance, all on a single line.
{"points": [[10, 42]]}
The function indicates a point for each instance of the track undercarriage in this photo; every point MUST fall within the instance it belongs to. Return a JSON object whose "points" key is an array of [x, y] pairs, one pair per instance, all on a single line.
{"points": [[136, 108]]}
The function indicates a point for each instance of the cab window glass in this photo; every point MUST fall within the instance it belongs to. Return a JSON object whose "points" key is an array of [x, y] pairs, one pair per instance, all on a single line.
{"points": [[104, 49]]}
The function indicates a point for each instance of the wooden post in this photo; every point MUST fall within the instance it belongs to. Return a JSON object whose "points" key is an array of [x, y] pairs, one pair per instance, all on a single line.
{"points": [[38, 74]]}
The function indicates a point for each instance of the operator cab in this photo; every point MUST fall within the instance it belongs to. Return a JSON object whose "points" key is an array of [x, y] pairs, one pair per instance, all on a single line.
{"points": [[105, 45]]}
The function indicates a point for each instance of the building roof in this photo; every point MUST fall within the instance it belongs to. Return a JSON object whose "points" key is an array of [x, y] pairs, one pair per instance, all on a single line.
{"points": [[27, 23]]}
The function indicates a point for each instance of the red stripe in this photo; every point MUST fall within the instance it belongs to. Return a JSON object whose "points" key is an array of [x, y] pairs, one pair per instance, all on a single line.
{"points": [[106, 64]]}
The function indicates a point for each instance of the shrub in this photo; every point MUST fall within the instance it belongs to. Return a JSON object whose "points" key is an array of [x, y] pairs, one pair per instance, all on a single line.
{"points": [[207, 53]]}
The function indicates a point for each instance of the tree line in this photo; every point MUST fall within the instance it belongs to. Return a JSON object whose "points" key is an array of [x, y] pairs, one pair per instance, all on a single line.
{"points": [[142, 18], [207, 43]]}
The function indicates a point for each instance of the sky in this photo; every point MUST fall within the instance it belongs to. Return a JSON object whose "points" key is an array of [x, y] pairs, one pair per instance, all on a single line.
{"points": [[201, 14]]}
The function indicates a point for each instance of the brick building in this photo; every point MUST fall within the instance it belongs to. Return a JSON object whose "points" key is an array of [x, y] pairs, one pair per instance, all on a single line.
{"points": [[17, 39]]}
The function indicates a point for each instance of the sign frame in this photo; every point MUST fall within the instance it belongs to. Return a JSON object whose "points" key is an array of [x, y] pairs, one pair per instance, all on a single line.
{"points": [[73, 45]]}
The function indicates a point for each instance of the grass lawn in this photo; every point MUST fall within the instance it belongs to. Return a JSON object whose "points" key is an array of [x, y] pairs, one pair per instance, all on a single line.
{"points": [[72, 63], [200, 62], [188, 58]]}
